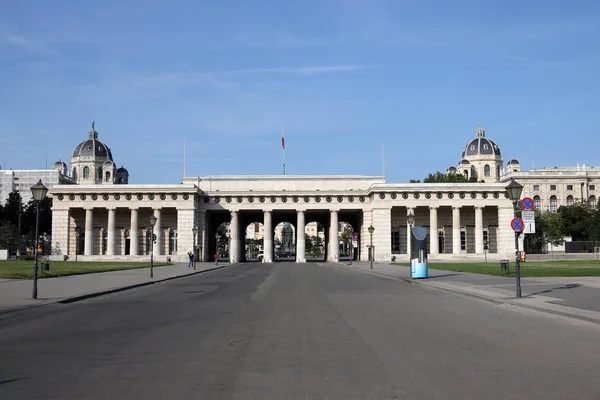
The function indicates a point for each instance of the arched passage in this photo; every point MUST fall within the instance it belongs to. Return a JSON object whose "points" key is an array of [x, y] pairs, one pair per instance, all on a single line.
{"points": [[254, 241], [284, 238], [315, 241], [222, 240], [348, 246]]}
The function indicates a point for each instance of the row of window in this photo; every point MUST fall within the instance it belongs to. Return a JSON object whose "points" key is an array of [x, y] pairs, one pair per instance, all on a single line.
{"points": [[569, 187], [554, 202]]}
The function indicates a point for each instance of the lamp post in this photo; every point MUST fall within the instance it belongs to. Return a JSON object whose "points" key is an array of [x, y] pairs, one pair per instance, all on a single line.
{"points": [[371, 230], [39, 192], [194, 231], [77, 238], [152, 221], [514, 190]]}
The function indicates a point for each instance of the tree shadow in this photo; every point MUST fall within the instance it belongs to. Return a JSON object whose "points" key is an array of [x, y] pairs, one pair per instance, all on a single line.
{"points": [[568, 286], [440, 276], [5, 381]]}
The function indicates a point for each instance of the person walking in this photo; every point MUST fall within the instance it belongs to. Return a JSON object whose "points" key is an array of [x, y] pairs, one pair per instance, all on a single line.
{"points": [[191, 257]]}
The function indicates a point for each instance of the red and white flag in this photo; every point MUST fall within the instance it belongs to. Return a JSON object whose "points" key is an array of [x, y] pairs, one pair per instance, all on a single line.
{"points": [[282, 141]]}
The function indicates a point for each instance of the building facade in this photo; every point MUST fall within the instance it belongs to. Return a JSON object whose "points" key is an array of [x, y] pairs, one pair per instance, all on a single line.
{"points": [[112, 222]]}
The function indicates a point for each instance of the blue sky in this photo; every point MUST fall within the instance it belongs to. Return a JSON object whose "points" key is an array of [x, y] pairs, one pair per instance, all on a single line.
{"points": [[337, 76]]}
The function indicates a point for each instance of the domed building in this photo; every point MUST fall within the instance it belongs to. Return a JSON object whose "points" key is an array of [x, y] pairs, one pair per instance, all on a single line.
{"points": [[481, 158], [92, 163]]}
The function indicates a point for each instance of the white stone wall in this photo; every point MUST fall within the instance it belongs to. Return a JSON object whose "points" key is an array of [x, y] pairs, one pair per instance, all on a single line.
{"points": [[382, 235], [185, 223], [60, 233]]}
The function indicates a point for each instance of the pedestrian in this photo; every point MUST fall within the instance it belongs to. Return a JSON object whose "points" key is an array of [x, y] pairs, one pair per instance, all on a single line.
{"points": [[191, 257], [216, 259]]}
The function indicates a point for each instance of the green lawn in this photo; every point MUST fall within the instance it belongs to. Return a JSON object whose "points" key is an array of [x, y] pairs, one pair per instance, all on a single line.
{"points": [[528, 269], [24, 269]]}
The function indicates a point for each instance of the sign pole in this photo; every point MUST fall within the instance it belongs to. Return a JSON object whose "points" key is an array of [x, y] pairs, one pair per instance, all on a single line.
{"points": [[517, 225]]}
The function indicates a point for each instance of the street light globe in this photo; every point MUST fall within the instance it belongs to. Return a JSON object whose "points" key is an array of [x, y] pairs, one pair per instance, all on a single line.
{"points": [[39, 191], [152, 220], [411, 218], [195, 230], [514, 190], [371, 229]]}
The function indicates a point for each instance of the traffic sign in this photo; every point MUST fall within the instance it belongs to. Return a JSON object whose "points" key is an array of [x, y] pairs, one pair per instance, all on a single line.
{"points": [[528, 216], [529, 227], [527, 204], [517, 224]]}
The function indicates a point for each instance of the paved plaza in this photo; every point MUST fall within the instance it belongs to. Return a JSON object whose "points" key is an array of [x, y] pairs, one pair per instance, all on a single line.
{"points": [[297, 331]]}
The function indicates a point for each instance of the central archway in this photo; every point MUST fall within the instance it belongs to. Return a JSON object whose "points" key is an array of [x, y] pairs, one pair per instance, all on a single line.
{"points": [[284, 240]]}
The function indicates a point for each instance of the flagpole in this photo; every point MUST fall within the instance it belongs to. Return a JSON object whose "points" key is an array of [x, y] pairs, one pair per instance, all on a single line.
{"points": [[283, 150]]}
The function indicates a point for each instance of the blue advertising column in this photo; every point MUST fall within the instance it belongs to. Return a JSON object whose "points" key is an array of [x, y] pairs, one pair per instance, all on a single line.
{"points": [[418, 253]]}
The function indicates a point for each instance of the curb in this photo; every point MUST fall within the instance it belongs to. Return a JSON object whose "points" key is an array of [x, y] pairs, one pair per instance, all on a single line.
{"points": [[108, 291], [484, 298]]}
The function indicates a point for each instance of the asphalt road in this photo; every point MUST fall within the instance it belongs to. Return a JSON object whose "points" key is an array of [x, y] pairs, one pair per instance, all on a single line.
{"points": [[288, 331]]}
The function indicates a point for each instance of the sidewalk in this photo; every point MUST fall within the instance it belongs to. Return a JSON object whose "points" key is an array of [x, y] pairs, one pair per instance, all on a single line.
{"points": [[574, 297], [15, 294]]}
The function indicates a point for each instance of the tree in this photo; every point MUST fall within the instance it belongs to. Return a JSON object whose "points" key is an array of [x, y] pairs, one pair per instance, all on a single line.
{"points": [[13, 207], [440, 177], [553, 228], [45, 220], [577, 220], [308, 243], [9, 236]]}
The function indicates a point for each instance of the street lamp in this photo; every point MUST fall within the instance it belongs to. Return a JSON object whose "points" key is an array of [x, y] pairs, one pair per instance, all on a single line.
{"points": [[514, 190], [485, 249], [194, 231], [38, 191], [371, 230], [77, 236], [152, 220]]}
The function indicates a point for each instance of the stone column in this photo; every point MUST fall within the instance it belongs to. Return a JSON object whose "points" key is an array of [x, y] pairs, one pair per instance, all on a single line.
{"points": [[300, 237], [268, 238], [158, 246], [433, 231], [408, 233], [234, 244], [110, 245], [334, 239], [478, 230], [202, 236], [89, 232], [133, 233], [456, 230]]}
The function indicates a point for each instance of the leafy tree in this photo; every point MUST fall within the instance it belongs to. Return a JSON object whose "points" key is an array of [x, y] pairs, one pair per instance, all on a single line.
{"points": [[440, 177], [577, 220], [12, 208], [308, 243], [553, 228], [9, 237], [45, 221]]}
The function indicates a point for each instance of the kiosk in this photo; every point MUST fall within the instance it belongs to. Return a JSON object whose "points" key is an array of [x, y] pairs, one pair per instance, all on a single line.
{"points": [[418, 253]]}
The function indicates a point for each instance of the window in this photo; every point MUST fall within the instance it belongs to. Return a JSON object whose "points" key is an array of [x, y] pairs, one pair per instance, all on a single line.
{"points": [[537, 202], [86, 172], [592, 187], [569, 187], [486, 242], [466, 173], [107, 176], [463, 240], [552, 187], [592, 201], [395, 241], [486, 171], [74, 173], [497, 172], [536, 187], [569, 200], [553, 203]]}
